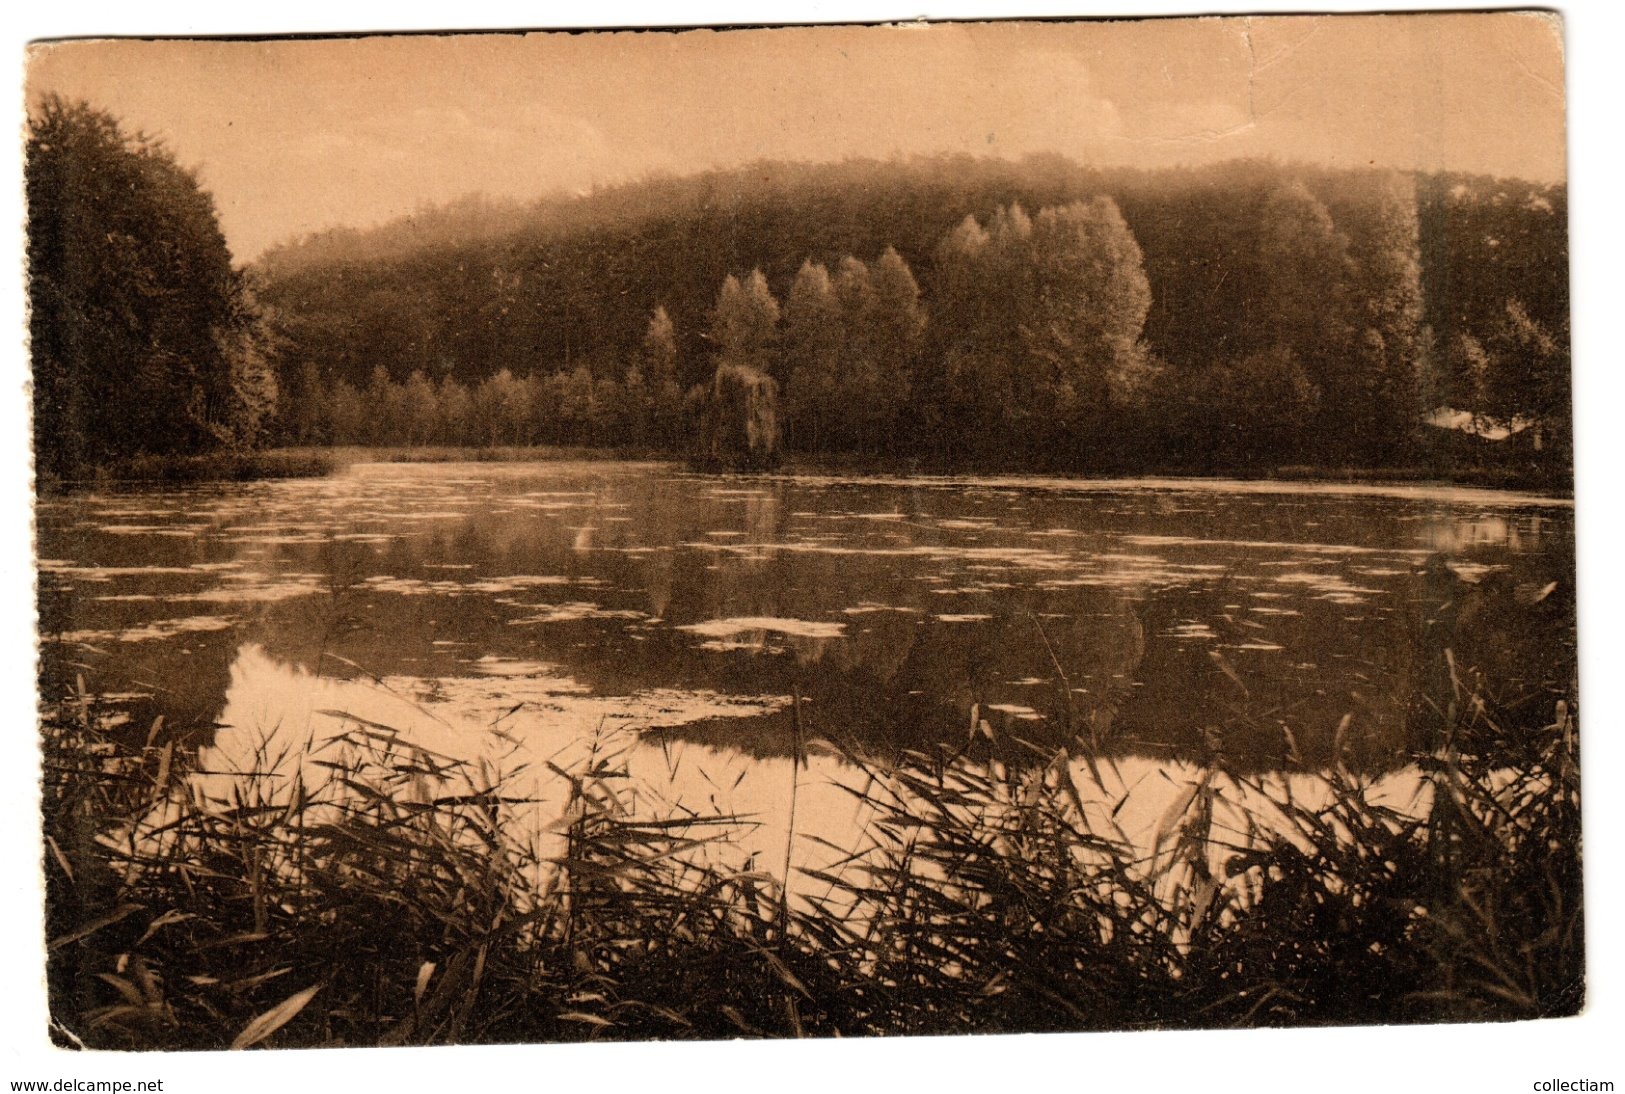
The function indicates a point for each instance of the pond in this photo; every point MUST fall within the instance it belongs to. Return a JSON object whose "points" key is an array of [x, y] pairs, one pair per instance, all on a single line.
{"points": [[1143, 610], [702, 631], [538, 606]]}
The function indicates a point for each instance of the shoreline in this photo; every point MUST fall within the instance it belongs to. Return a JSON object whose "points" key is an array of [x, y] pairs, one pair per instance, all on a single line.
{"points": [[318, 461]]}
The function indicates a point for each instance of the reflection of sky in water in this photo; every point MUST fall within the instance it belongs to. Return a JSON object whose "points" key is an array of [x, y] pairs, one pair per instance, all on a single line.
{"points": [[890, 605], [526, 722]]}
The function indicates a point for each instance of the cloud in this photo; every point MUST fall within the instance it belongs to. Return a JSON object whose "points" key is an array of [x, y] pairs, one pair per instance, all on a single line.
{"points": [[297, 135]]}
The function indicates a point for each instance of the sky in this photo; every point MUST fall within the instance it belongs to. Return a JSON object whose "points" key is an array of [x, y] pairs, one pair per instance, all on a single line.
{"points": [[293, 136]]}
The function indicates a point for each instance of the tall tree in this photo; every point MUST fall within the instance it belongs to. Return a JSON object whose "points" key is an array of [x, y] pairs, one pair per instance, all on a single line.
{"points": [[660, 349], [1083, 320], [348, 414], [1388, 323], [740, 411], [865, 401], [383, 396], [1047, 349], [744, 323], [143, 338], [901, 318], [416, 410], [899, 335], [455, 408], [660, 379], [1305, 273], [247, 343], [973, 403], [1524, 379], [811, 357], [301, 407]]}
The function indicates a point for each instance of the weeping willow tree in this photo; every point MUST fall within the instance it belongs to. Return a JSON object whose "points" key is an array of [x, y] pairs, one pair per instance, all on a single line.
{"points": [[740, 421], [739, 413]]}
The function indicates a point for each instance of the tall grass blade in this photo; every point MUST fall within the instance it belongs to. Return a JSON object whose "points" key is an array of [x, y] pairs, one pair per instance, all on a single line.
{"points": [[274, 1019]]}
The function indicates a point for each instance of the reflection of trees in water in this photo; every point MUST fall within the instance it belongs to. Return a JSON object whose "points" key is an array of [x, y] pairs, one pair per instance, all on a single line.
{"points": [[1453, 534], [655, 573], [763, 523], [1352, 688], [180, 682], [1112, 659]]}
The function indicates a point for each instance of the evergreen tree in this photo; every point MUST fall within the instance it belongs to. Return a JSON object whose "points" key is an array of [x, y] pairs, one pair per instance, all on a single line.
{"points": [[900, 318], [578, 406], [660, 350], [417, 410], [490, 404], [246, 343], [454, 417], [383, 425], [632, 414], [300, 419], [899, 336], [348, 414]]}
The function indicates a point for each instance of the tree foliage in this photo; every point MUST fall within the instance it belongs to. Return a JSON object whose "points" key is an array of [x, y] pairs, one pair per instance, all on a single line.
{"points": [[1043, 342], [1240, 316], [144, 339], [739, 423], [811, 363], [744, 323]]}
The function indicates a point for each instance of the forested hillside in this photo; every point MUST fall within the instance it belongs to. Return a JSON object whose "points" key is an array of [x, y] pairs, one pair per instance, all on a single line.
{"points": [[1034, 313]]}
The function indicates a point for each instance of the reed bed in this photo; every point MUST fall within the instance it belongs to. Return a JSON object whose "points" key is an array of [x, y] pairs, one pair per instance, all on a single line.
{"points": [[397, 899], [209, 467], [343, 455]]}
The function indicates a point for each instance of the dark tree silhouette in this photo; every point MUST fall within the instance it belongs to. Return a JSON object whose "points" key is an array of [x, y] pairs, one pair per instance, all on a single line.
{"points": [[144, 339]]}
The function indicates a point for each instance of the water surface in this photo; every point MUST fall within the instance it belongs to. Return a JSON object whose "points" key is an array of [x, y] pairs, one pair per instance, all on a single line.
{"points": [[1155, 618]]}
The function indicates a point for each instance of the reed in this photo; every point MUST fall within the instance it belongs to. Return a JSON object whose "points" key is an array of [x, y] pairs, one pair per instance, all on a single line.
{"points": [[366, 891], [223, 466]]}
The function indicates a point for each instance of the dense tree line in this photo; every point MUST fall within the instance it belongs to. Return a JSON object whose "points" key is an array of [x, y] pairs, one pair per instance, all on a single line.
{"points": [[947, 308], [144, 338], [1033, 312], [565, 408]]}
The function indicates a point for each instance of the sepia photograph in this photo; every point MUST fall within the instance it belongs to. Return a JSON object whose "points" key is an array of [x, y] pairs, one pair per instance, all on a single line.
{"points": [[872, 530]]}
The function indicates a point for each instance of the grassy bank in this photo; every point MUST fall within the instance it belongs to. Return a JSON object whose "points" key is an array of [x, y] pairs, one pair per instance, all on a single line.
{"points": [[344, 455], [206, 467], [397, 901], [309, 461], [1491, 476], [316, 461], [1467, 474]]}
